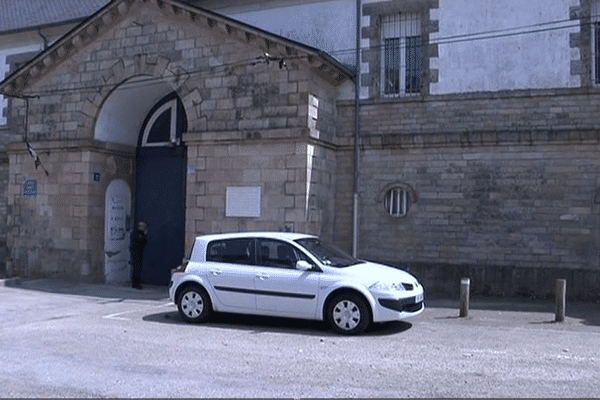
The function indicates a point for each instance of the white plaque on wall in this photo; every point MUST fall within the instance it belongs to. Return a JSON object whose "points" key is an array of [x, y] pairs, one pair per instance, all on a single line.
{"points": [[242, 201]]}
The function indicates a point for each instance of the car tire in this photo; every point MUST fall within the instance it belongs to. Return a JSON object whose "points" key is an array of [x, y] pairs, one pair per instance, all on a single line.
{"points": [[194, 304], [348, 313]]}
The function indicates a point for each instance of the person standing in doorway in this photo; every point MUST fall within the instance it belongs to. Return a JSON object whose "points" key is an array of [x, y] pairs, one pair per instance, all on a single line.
{"points": [[139, 237]]}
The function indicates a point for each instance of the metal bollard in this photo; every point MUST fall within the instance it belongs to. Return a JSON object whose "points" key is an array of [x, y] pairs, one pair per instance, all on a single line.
{"points": [[561, 299], [465, 284]]}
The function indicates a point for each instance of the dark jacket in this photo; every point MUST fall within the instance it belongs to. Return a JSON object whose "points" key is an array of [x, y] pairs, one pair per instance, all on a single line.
{"points": [[138, 241]]}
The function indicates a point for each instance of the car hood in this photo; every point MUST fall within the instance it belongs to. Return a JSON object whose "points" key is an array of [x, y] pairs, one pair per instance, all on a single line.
{"points": [[371, 272]]}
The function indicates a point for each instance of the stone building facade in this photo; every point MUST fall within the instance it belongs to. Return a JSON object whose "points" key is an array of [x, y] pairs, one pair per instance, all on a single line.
{"points": [[255, 148], [497, 152], [478, 137], [511, 205]]}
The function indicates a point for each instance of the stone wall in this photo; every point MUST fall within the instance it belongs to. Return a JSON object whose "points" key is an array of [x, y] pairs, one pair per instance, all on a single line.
{"points": [[4, 252], [279, 168], [507, 180], [250, 123], [8, 134], [296, 147], [59, 232]]}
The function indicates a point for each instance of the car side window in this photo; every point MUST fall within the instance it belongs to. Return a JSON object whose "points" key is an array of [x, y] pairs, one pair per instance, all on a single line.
{"points": [[233, 251], [277, 254]]}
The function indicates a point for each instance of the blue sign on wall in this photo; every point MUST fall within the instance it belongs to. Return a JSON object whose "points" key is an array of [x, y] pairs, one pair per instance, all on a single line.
{"points": [[30, 188]]}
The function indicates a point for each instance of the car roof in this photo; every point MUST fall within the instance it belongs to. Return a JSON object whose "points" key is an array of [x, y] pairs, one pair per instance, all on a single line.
{"points": [[266, 235]]}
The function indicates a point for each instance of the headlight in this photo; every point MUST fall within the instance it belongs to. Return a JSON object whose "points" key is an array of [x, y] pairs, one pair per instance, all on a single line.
{"points": [[387, 287]]}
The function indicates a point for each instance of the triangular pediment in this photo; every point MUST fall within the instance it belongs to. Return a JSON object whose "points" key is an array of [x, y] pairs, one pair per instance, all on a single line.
{"points": [[275, 48]]}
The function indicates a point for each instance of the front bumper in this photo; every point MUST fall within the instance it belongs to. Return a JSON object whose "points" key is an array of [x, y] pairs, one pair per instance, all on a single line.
{"points": [[407, 305]]}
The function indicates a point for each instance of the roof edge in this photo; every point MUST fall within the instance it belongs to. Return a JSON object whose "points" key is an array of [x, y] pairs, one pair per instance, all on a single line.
{"points": [[88, 29], [15, 83], [42, 26]]}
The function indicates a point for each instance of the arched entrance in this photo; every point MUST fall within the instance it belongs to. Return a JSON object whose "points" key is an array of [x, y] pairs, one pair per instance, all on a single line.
{"points": [[160, 188], [146, 114]]}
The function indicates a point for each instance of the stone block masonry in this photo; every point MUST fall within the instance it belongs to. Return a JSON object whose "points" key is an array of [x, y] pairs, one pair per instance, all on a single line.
{"points": [[247, 125], [280, 169], [59, 232], [501, 183]]}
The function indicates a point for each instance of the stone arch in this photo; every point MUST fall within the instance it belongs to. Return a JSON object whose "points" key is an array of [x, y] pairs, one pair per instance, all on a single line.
{"points": [[146, 79], [122, 114]]}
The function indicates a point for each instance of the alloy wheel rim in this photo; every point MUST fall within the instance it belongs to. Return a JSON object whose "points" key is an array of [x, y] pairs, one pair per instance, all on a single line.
{"points": [[346, 315]]}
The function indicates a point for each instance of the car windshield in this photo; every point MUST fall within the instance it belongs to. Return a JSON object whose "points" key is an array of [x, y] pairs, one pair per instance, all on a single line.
{"points": [[327, 254]]}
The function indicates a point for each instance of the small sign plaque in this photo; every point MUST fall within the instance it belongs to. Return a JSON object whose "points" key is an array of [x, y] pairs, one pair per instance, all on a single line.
{"points": [[30, 188], [242, 201]]}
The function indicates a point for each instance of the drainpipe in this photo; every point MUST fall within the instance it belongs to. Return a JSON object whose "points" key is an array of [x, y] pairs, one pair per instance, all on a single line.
{"points": [[356, 132]]}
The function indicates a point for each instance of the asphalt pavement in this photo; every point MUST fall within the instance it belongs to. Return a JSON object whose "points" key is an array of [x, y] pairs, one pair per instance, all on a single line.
{"points": [[492, 310], [63, 339]]}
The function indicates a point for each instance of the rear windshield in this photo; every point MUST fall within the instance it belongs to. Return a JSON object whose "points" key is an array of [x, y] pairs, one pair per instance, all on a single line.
{"points": [[327, 254]]}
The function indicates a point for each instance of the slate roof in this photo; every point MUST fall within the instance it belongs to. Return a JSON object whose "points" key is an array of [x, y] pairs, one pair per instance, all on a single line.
{"points": [[21, 14]]}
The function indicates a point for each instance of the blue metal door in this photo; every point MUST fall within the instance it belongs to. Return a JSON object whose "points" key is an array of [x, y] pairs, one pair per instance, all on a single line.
{"points": [[160, 189], [160, 202]]}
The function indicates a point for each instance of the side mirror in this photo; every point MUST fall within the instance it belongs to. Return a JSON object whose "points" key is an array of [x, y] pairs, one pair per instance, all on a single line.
{"points": [[303, 265]]}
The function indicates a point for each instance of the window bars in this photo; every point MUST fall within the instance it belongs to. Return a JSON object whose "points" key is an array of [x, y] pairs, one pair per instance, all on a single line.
{"points": [[396, 202], [595, 13], [402, 55]]}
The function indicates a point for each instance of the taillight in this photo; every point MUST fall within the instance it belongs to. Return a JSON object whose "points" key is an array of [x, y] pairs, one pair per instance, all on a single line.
{"points": [[184, 265], [180, 268]]}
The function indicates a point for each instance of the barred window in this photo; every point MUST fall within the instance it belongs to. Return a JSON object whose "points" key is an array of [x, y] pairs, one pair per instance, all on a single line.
{"points": [[397, 202], [402, 55], [596, 40]]}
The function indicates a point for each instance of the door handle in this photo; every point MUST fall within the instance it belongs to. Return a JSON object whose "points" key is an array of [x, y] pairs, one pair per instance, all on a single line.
{"points": [[262, 277], [216, 272]]}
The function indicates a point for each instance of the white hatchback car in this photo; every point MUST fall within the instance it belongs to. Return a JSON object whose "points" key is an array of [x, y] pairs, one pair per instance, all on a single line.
{"points": [[290, 275]]}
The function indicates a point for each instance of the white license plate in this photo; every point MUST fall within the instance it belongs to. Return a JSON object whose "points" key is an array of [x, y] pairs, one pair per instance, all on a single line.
{"points": [[419, 298]]}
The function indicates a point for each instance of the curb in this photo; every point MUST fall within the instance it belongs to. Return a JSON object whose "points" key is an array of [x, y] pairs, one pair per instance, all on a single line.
{"points": [[10, 282]]}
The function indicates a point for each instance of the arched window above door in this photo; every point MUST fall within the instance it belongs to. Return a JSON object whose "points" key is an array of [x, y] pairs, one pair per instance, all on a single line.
{"points": [[164, 124], [161, 129]]}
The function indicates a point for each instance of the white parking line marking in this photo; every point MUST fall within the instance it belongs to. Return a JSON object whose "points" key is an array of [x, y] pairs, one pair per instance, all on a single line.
{"points": [[117, 316]]}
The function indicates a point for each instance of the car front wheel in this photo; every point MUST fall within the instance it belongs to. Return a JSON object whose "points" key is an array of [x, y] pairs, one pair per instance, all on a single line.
{"points": [[348, 313], [194, 304]]}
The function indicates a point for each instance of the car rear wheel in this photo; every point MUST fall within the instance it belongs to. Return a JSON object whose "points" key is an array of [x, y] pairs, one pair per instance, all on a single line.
{"points": [[194, 304], [348, 313]]}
